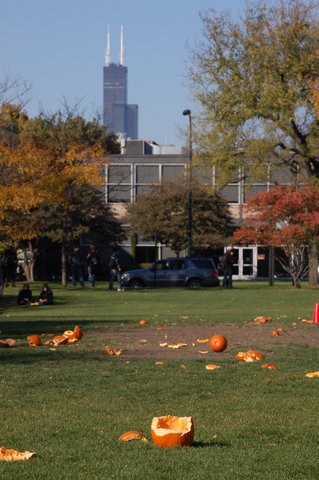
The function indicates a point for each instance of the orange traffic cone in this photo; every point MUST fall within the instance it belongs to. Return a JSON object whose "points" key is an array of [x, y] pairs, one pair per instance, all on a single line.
{"points": [[316, 314]]}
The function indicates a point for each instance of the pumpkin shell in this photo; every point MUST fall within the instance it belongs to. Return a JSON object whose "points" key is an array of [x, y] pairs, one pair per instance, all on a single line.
{"points": [[172, 431], [78, 332], [60, 340], [34, 340], [218, 343]]}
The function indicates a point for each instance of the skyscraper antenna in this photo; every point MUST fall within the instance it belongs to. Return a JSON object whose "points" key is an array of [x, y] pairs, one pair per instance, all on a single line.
{"points": [[122, 47], [108, 47]]}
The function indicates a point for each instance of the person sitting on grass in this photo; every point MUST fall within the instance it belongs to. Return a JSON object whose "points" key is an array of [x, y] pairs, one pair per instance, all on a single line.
{"points": [[25, 295], [46, 295]]}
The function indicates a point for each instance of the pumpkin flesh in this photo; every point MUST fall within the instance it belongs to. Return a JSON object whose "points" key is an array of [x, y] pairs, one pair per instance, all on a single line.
{"points": [[171, 431]]}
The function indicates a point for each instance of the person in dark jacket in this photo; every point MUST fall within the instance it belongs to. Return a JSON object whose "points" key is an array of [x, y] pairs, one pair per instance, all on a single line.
{"points": [[92, 260], [77, 266], [25, 295], [46, 295], [227, 263], [115, 270]]}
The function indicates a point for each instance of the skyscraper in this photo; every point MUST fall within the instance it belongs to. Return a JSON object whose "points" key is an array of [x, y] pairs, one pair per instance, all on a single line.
{"points": [[118, 116]]}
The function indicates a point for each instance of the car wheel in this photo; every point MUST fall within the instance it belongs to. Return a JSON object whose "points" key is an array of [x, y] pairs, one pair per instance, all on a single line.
{"points": [[194, 283], [136, 283]]}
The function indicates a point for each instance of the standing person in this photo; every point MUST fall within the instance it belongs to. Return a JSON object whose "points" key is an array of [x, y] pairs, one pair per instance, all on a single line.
{"points": [[227, 263], [92, 260], [76, 264], [10, 266], [115, 270]]}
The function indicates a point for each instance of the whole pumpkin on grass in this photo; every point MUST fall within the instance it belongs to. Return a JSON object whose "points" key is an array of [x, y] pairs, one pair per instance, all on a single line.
{"points": [[171, 431], [218, 343]]}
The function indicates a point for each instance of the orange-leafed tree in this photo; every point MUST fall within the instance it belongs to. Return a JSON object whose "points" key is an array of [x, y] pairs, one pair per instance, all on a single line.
{"points": [[284, 217], [49, 159]]}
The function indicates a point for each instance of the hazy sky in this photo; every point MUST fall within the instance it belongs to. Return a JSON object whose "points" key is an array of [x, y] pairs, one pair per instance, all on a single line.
{"points": [[59, 47]]}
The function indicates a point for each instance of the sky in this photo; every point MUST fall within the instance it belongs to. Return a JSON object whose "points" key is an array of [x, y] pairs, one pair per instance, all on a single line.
{"points": [[58, 47]]}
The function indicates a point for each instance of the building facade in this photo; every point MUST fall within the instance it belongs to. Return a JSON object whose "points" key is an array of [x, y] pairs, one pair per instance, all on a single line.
{"points": [[118, 116], [142, 164]]}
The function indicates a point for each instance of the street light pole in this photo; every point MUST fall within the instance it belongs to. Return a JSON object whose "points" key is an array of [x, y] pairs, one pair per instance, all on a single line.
{"points": [[190, 186]]}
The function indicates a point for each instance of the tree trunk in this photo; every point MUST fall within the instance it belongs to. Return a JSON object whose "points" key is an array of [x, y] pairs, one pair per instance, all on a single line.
{"points": [[29, 262], [313, 263], [63, 265]]}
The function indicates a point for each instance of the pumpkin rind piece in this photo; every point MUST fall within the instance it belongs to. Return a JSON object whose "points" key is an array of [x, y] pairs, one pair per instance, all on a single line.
{"points": [[172, 431], [132, 435], [60, 340], [11, 455]]}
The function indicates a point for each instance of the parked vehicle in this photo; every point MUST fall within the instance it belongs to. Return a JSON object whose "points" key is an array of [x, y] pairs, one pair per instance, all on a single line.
{"points": [[178, 271]]}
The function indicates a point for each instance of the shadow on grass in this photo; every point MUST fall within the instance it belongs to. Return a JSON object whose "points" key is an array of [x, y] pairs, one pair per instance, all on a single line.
{"points": [[11, 327], [211, 444]]}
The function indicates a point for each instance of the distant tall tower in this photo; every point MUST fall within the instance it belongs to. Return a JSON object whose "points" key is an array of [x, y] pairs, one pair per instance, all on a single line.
{"points": [[118, 116]]}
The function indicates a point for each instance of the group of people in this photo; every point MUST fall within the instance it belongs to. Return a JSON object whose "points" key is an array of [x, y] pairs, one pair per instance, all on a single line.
{"points": [[25, 296], [91, 262]]}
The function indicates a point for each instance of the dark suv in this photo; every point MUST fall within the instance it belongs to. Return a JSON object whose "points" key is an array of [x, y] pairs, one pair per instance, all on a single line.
{"points": [[177, 271]]}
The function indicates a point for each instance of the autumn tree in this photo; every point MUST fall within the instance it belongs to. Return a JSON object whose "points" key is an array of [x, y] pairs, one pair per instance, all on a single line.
{"points": [[163, 214], [287, 218], [53, 157], [253, 80]]}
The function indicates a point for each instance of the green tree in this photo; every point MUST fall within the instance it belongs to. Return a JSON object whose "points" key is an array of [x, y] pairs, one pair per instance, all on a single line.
{"points": [[163, 214], [253, 80]]}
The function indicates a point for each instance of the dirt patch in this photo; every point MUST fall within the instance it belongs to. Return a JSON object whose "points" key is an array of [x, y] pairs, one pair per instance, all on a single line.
{"points": [[148, 343]]}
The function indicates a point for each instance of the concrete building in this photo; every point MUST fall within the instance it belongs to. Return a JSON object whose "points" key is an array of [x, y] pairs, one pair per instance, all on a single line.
{"points": [[142, 164], [118, 116]]}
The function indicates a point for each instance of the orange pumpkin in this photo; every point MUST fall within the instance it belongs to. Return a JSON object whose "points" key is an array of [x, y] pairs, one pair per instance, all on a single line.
{"points": [[170, 431], [143, 322], [34, 340], [218, 343]]}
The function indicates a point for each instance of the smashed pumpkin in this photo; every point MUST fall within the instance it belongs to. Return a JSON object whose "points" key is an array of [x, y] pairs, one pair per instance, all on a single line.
{"points": [[262, 319], [212, 366], [218, 343], [132, 435], [271, 366], [171, 431], [249, 356], [9, 342], [11, 455], [74, 335], [34, 340], [60, 340], [277, 332], [112, 351]]}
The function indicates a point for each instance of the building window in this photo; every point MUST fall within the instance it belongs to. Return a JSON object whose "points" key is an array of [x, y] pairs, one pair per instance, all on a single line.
{"points": [[119, 193], [147, 174], [119, 187], [251, 190], [170, 171], [119, 174], [231, 193]]}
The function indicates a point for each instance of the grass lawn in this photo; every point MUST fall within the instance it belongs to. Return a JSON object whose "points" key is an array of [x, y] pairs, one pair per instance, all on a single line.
{"points": [[70, 404]]}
